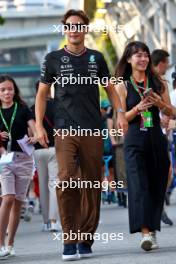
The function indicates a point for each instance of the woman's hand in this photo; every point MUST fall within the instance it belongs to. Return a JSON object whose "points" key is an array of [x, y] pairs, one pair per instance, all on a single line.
{"points": [[4, 135], [2, 151], [155, 99], [143, 105], [32, 140]]}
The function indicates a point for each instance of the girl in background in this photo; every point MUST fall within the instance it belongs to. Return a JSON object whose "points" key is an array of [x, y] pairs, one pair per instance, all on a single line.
{"points": [[15, 118]]}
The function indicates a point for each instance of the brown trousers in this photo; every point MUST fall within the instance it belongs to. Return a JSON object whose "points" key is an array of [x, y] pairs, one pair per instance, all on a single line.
{"points": [[79, 157]]}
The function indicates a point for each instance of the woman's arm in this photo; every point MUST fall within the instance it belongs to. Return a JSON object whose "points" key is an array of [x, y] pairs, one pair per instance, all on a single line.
{"points": [[163, 102], [2, 149], [131, 114]]}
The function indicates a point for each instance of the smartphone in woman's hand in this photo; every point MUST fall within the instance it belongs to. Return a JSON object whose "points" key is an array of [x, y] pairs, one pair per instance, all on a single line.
{"points": [[147, 92]]}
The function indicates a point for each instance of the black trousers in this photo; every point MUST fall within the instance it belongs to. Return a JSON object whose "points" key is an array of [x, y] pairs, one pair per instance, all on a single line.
{"points": [[147, 167]]}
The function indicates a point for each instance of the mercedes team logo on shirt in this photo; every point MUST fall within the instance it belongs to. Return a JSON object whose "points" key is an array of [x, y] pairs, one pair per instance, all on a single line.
{"points": [[92, 58], [65, 59]]}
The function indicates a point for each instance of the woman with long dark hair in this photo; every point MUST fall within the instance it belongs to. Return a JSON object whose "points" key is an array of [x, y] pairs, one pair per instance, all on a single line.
{"points": [[15, 118], [143, 95]]}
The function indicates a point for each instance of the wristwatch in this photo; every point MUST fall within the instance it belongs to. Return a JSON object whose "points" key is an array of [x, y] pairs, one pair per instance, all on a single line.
{"points": [[120, 110]]}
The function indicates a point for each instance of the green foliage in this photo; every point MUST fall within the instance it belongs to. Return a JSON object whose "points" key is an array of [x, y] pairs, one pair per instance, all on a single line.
{"points": [[90, 8], [105, 46], [111, 51], [2, 20], [63, 43], [103, 94]]}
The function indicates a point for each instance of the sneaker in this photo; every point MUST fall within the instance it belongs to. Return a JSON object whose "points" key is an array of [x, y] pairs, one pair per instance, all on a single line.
{"points": [[46, 227], [4, 253], [11, 250], [146, 242], [165, 219], [55, 227], [154, 240], [85, 250], [70, 252], [28, 214]]}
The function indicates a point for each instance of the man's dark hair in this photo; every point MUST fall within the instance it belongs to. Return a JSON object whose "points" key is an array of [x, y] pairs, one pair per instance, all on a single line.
{"points": [[79, 13], [159, 55]]}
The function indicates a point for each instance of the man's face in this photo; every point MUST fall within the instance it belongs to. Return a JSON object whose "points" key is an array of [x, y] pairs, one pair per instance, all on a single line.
{"points": [[77, 37], [163, 67]]}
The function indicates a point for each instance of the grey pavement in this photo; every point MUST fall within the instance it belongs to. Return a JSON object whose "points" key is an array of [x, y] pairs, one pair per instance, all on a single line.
{"points": [[36, 247]]}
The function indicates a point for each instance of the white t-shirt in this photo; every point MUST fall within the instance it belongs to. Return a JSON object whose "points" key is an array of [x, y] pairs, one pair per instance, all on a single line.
{"points": [[173, 97]]}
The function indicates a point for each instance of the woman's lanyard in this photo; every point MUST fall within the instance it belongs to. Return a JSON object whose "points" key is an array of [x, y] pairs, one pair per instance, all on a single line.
{"points": [[9, 128], [146, 116], [136, 87]]}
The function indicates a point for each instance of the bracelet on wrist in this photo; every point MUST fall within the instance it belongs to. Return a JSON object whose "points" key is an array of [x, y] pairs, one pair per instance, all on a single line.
{"points": [[136, 109], [119, 110]]}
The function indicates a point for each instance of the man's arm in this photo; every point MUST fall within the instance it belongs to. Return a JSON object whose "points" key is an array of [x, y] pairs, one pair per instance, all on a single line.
{"points": [[110, 126], [40, 108], [115, 100], [113, 96]]}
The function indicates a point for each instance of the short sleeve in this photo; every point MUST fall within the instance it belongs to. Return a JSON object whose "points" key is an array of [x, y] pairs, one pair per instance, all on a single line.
{"points": [[47, 73], [29, 115], [32, 109], [110, 113], [103, 68], [173, 98]]}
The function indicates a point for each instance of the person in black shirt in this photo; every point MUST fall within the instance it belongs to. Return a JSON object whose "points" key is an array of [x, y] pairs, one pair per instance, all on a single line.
{"points": [[144, 95], [47, 168], [77, 107], [15, 118]]}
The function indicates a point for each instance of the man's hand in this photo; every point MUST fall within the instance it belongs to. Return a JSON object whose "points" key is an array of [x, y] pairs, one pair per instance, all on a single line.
{"points": [[122, 122], [114, 143], [42, 136]]}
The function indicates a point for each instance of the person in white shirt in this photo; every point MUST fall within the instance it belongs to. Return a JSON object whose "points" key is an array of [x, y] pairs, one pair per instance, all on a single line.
{"points": [[173, 93]]}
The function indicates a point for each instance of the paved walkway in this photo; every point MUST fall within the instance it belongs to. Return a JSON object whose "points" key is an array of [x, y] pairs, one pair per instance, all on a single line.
{"points": [[36, 247]]}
